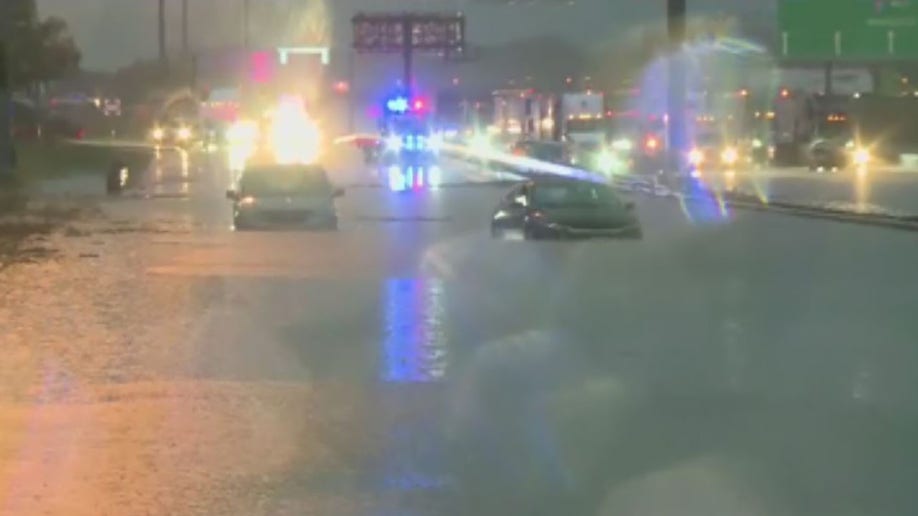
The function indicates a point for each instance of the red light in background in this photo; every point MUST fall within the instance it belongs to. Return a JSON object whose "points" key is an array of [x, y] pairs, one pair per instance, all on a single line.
{"points": [[652, 143], [342, 87], [261, 66], [785, 93], [744, 92]]}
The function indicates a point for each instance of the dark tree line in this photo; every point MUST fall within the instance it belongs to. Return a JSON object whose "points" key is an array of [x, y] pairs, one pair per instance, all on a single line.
{"points": [[38, 50]]}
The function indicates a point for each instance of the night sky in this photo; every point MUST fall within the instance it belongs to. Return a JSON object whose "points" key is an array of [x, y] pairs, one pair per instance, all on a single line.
{"points": [[116, 32]]}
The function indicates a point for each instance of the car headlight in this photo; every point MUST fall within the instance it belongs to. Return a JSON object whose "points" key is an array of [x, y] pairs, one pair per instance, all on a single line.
{"points": [[247, 201], [696, 157], [158, 133], [729, 156], [183, 133], [861, 157]]}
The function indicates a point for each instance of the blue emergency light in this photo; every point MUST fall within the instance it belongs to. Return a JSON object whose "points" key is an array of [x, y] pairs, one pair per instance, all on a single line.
{"points": [[397, 105]]}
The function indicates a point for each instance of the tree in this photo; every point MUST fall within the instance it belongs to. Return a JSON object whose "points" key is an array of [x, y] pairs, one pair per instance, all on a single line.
{"points": [[40, 50]]}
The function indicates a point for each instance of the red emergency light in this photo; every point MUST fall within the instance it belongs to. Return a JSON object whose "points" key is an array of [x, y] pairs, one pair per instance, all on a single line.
{"points": [[261, 66]]}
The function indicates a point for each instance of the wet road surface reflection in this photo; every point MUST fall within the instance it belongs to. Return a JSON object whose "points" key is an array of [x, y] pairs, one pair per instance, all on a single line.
{"points": [[716, 367], [414, 348]]}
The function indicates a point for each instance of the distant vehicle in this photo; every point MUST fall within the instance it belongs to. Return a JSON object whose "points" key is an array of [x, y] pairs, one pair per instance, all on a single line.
{"points": [[371, 148], [583, 119], [552, 152], [60, 127], [564, 208], [25, 121], [111, 107], [176, 131], [284, 196], [829, 155], [713, 151]]}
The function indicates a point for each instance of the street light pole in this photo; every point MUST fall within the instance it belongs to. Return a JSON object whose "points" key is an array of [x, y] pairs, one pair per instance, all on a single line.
{"points": [[6, 140], [675, 24], [245, 24], [161, 30], [185, 44]]}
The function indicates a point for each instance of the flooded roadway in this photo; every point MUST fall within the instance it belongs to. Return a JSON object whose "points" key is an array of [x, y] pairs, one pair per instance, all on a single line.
{"points": [[729, 363]]}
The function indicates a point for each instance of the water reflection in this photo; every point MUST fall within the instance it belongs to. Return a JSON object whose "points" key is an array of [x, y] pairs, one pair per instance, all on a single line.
{"points": [[410, 401], [414, 348], [701, 203], [861, 189]]}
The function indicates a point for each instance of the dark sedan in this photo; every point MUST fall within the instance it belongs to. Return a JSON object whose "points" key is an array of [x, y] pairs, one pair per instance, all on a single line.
{"points": [[284, 196], [561, 208]]}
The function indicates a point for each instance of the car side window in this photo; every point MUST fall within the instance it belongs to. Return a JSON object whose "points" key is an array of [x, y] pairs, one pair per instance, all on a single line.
{"points": [[520, 196], [513, 195]]}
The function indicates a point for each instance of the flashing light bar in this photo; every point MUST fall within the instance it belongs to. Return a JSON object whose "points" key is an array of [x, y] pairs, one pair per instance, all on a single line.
{"points": [[401, 105], [397, 105]]}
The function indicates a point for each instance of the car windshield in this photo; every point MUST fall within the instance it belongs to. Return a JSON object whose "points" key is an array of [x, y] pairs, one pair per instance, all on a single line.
{"points": [[572, 194], [284, 180]]}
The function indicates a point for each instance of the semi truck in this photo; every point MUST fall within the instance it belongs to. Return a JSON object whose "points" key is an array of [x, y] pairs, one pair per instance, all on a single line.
{"points": [[804, 111], [582, 119]]}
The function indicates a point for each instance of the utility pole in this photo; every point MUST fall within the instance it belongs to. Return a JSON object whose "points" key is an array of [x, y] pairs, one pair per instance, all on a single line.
{"points": [[245, 24], [676, 129], [162, 31], [351, 87], [6, 137], [7, 156], [185, 44], [408, 55]]}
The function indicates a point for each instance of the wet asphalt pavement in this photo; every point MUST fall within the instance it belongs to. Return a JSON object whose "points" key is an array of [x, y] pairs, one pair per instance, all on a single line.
{"points": [[729, 363]]}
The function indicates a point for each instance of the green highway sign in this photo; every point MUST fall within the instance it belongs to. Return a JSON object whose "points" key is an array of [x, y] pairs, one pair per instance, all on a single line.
{"points": [[848, 30]]}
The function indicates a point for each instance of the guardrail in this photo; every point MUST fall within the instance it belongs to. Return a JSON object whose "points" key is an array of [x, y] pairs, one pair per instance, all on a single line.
{"points": [[529, 167]]}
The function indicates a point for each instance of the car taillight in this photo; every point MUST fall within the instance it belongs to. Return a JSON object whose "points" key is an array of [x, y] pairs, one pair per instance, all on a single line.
{"points": [[81, 133]]}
